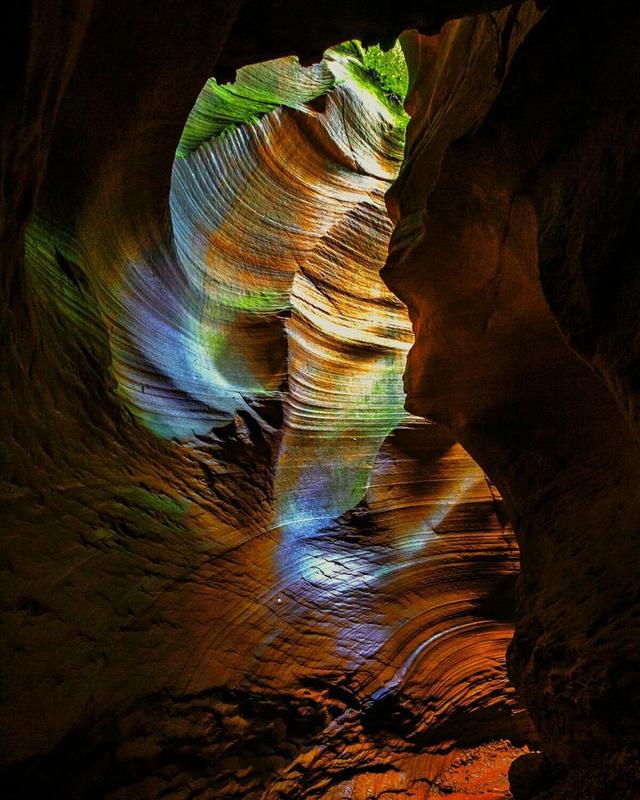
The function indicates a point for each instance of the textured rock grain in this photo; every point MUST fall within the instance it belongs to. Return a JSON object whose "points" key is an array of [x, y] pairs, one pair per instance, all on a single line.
{"points": [[232, 565], [498, 253], [238, 567]]}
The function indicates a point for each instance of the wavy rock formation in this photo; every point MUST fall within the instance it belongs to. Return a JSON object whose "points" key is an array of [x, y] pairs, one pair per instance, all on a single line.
{"points": [[507, 267], [233, 565], [257, 576]]}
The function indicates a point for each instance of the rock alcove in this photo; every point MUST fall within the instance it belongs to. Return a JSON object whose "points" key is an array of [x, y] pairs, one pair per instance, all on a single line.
{"points": [[233, 565]]}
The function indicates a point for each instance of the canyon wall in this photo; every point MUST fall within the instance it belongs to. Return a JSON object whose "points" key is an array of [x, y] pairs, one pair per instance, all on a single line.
{"points": [[233, 566], [515, 255]]}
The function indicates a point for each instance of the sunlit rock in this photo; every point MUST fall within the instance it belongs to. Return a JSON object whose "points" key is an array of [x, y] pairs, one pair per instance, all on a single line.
{"points": [[233, 564], [266, 564]]}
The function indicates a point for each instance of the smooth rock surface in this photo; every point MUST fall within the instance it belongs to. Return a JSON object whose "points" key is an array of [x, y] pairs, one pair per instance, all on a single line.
{"points": [[495, 254], [232, 566], [239, 568]]}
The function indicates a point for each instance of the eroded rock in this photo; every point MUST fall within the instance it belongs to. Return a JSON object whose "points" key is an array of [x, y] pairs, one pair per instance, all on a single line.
{"points": [[248, 570], [492, 208]]}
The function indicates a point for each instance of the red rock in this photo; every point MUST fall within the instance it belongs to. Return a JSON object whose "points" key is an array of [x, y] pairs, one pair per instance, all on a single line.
{"points": [[210, 587]]}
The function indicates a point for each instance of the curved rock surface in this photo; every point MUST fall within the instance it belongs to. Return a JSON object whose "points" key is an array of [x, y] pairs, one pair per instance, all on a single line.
{"points": [[506, 267], [248, 572], [233, 566]]}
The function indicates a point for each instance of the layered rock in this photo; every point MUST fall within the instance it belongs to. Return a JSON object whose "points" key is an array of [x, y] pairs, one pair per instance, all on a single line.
{"points": [[513, 237], [176, 618], [248, 572]]}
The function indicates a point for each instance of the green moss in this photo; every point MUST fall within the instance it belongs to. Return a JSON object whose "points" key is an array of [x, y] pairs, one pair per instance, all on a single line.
{"points": [[383, 73], [259, 89], [388, 69], [262, 88]]}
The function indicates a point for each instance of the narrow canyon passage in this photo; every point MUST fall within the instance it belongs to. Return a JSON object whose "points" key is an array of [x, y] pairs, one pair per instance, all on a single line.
{"points": [[302, 361], [348, 618]]}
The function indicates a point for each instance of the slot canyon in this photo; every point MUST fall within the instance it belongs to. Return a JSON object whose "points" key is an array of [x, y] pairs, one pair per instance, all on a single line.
{"points": [[320, 400]]}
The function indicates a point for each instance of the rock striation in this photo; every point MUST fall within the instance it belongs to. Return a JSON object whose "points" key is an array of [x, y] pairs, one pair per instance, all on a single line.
{"points": [[233, 565], [236, 567], [498, 252]]}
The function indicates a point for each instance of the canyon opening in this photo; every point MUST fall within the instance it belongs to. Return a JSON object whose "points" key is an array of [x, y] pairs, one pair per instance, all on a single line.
{"points": [[319, 463]]}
